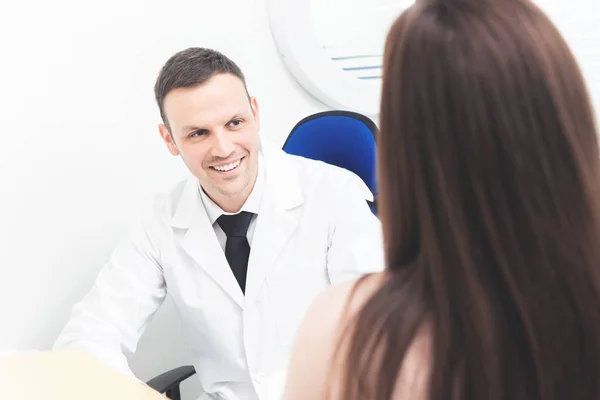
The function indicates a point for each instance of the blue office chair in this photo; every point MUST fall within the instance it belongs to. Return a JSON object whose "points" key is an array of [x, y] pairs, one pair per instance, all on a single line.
{"points": [[342, 138]]}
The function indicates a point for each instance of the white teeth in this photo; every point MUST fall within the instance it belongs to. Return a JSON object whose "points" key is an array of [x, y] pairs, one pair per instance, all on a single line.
{"points": [[228, 167]]}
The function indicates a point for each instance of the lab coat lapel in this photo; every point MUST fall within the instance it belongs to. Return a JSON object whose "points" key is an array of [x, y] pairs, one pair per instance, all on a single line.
{"points": [[200, 241], [276, 220]]}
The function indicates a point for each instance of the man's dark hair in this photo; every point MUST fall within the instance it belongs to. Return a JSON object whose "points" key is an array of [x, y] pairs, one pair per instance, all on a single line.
{"points": [[189, 68]]}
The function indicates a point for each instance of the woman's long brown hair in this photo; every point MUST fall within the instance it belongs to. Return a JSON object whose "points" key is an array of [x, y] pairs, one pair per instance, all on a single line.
{"points": [[489, 179]]}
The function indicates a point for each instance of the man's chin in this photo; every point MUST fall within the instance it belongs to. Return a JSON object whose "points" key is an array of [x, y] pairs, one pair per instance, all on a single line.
{"points": [[232, 190], [231, 186]]}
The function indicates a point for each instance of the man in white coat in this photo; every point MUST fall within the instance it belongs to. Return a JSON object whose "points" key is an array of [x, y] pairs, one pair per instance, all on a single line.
{"points": [[242, 247]]}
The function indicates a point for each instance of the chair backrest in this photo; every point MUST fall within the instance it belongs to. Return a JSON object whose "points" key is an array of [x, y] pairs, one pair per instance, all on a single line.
{"points": [[342, 138]]}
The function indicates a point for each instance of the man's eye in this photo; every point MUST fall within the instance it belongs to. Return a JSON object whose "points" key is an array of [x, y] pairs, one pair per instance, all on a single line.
{"points": [[201, 132], [235, 122]]}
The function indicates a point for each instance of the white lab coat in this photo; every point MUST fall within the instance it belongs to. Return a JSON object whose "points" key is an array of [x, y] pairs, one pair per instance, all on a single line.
{"points": [[314, 228]]}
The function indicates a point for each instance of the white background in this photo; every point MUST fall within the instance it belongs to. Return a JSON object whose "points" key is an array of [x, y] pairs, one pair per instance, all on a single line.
{"points": [[80, 148]]}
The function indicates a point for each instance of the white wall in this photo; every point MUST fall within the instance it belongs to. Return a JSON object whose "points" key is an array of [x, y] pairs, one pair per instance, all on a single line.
{"points": [[80, 148], [579, 22]]}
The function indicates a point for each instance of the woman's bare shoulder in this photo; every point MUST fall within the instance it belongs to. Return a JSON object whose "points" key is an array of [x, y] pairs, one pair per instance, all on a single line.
{"points": [[319, 335], [341, 302], [319, 332]]}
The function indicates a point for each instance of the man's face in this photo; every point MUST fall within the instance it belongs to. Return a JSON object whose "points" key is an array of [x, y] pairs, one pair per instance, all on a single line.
{"points": [[214, 127]]}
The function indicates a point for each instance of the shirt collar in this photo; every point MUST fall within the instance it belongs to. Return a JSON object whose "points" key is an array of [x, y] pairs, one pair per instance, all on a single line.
{"points": [[252, 203]]}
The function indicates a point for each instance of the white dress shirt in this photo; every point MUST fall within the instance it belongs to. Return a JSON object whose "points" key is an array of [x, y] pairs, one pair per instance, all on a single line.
{"points": [[251, 205]]}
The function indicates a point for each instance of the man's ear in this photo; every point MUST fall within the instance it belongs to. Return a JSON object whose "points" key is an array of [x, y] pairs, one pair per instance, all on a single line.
{"points": [[254, 105], [168, 138]]}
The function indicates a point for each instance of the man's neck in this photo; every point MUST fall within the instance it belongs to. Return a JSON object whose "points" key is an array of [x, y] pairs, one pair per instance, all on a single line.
{"points": [[232, 204]]}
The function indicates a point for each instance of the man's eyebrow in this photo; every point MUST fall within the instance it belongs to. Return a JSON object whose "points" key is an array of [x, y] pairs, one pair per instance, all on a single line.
{"points": [[189, 128], [242, 114]]}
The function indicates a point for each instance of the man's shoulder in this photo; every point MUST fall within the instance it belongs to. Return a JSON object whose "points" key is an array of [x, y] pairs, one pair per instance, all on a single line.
{"points": [[327, 177], [315, 174], [162, 204]]}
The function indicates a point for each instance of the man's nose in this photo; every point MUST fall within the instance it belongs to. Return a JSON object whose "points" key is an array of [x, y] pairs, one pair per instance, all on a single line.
{"points": [[222, 147]]}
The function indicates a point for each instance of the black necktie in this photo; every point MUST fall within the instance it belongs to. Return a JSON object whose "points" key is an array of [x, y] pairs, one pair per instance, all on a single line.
{"points": [[237, 249]]}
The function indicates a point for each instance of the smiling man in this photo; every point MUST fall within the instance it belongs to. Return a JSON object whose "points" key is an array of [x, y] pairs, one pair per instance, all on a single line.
{"points": [[243, 246], [214, 127]]}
